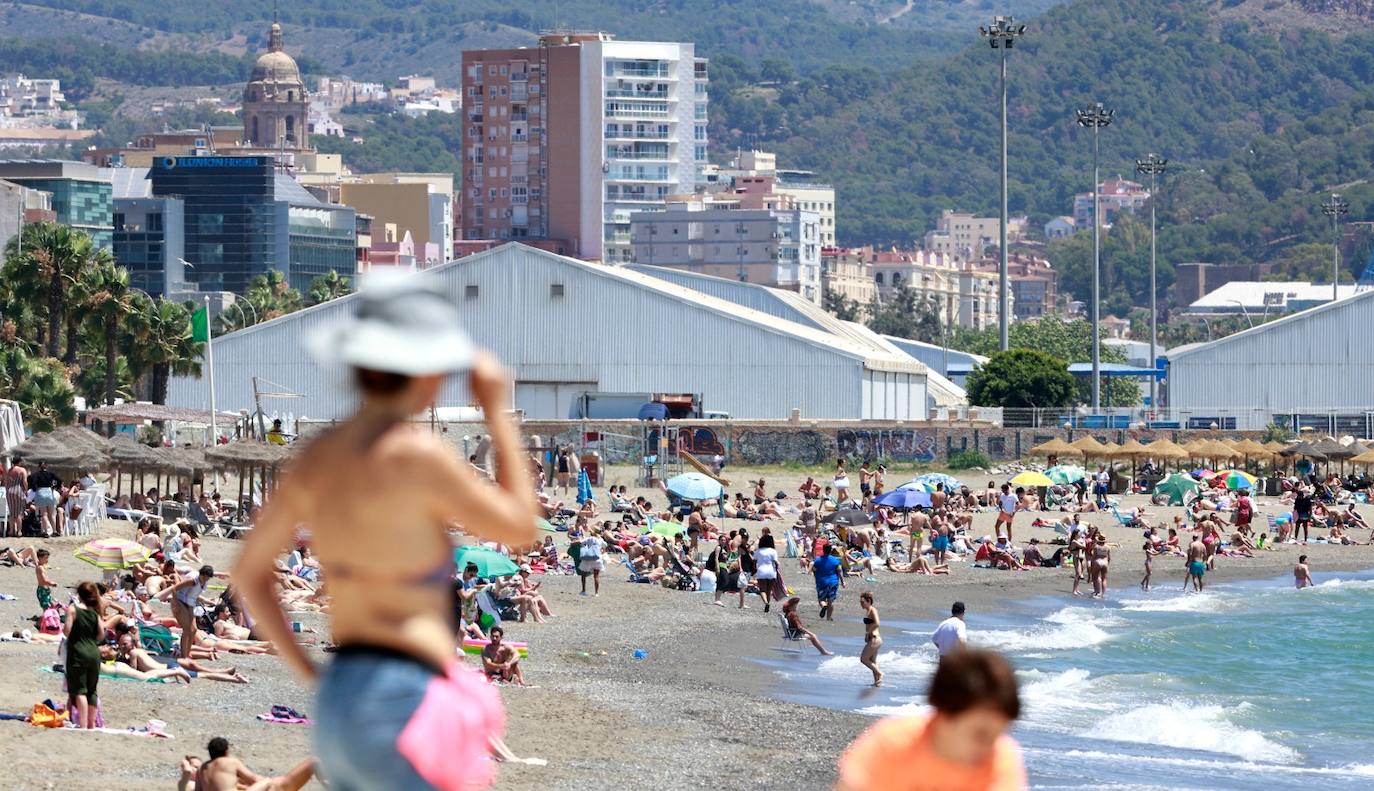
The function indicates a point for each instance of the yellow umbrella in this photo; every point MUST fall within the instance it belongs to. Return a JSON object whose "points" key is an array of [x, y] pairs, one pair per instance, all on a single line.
{"points": [[1194, 447], [1031, 478], [1166, 449], [1132, 448], [1055, 447]]}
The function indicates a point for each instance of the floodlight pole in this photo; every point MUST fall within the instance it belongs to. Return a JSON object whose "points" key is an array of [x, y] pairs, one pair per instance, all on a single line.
{"points": [[1153, 166], [1002, 35], [1095, 118], [1334, 208]]}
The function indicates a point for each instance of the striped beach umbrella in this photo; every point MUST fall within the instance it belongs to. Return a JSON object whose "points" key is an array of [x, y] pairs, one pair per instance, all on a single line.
{"points": [[1236, 479], [113, 553], [1066, 473]]}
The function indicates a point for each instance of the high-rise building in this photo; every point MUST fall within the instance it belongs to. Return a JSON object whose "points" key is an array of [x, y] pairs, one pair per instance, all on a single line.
{"points": [[1114, 194], [81, 196], [20, 206], [565, 141], [969, 237]]}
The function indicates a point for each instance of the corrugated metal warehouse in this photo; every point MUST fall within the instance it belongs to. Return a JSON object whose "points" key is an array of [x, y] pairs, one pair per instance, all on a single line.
{"points": [[566, 327], [1317, 361]]}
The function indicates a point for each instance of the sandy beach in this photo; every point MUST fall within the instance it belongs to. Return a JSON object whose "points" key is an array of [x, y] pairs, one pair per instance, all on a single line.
{"points": [[695, 712]]}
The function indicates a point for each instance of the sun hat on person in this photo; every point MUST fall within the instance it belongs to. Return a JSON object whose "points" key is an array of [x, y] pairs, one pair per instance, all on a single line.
{"points": [[401, 325], [525, 568]]}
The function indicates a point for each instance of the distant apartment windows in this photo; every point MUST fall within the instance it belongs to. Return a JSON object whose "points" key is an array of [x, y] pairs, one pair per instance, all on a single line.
{"points": [[475, 71], [491, 71], [503, 90], [503, 71], [504, 192], [878, 278], [491, 193], [699, 133], [472, 90], [491, 171], [701, 111], [700, 154]]}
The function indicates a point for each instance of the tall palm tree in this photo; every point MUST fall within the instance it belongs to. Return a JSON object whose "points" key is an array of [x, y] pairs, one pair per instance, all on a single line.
{"points": [[112, 301], [40, 385], [329, 286], [162, 343], [43, 269], [272, 291]]}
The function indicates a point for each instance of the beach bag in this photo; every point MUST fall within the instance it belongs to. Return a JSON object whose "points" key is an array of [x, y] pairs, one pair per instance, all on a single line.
{"points": [[156, 639], [43, 716], [591, 550], [50, 622]]}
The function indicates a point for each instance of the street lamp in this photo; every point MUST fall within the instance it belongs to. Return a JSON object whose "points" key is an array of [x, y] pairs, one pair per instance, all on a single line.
{"points": [[1334, 208], [1095, 118], [1002, 35], [239, 303], [1153, 167]]}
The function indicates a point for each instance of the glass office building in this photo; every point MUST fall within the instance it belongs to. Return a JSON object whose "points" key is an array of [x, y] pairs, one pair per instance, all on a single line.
{"points": [[242, 219], [148, 242], [81, 198]]}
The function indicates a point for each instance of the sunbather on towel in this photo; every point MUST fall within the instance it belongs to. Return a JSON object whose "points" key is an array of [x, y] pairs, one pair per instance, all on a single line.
{"points": [[224, 772], [130, 654]]}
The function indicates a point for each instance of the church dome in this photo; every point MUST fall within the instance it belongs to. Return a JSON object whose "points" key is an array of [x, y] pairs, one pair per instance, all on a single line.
{"points": [[275, 65]]}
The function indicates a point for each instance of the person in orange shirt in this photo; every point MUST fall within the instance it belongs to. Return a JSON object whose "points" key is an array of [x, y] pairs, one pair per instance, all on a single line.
{"points": [[962, 746]]}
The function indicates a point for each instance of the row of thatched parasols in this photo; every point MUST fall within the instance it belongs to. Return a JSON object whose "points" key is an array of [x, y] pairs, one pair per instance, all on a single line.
{"points": [[1207, 450], [74, 449]]}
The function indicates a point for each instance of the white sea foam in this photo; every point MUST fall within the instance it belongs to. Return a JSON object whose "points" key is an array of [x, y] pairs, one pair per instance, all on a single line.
{"points": [[1065, 630], [1217, 766], [1340, 584], [893, 663], [1198, 602], [1196, 727], [900, 710]]}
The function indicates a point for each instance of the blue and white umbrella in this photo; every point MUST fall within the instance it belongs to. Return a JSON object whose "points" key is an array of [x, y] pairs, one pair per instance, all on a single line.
{"points": [[694, 486], [905, 499], [929, 480]]}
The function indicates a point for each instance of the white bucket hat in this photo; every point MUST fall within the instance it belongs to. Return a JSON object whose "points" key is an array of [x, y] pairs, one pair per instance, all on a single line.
{"points": [[401, 325]]}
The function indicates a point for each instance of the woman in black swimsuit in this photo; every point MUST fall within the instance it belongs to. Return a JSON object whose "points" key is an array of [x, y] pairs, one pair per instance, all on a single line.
{"points": [[872, 639]]}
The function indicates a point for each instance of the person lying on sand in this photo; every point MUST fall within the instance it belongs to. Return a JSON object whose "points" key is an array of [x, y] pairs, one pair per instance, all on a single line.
{"points": [[127, 652], [224, 772], [921, 565]]}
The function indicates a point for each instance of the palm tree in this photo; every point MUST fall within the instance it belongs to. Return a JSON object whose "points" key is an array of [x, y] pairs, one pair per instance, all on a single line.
{"points": [[163, 344], [272, 292], [40, 385], [329, 286], [112, 301], [42, 270]]}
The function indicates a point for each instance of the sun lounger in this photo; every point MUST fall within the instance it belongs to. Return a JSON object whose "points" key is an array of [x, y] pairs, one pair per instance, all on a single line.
{"points": [[635, 575]]}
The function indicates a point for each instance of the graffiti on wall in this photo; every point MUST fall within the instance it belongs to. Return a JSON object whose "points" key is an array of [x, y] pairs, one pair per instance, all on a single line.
{"points": [[897, 445], [778, 447]]}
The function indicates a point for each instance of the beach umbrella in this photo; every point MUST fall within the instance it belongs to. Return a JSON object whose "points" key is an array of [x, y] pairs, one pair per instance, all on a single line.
{"points": [[663, 528], [82, 439], [1236, 479], [113, 553], [905, 498], [1066, 473], [1194, 447], [1166, 449], [1177, 487], [1216, 449], [1031, 478], [489, 562], [1056, 447], [44, 448], [929, 480], [584, 486], [848, 517], [1366, 458], [694, 486], [1202, 472], [1334, 450], [1132, 448]]}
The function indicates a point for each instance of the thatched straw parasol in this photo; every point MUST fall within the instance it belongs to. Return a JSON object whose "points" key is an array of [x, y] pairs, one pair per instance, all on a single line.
{"points": [[249, 458], [1366, 458], [129, 455], [82, 439], [1334, 450], [1056, 447], [46, 449], [1092, 449]]}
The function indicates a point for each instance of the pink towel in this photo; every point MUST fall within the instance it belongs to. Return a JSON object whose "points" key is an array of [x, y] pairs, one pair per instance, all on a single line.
{"points": [[448, 737]]}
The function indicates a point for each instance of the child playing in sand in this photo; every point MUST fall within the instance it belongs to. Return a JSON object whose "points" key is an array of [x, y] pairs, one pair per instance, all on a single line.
{"points": [[45, 583], [1302, 577]]}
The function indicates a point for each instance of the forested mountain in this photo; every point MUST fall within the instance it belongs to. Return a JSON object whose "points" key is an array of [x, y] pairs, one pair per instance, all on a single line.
{"points": [[1261, 106]]}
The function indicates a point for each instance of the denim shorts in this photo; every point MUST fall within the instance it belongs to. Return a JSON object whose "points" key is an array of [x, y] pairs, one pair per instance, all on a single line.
{"points": [[45, 498], [366, 698]]}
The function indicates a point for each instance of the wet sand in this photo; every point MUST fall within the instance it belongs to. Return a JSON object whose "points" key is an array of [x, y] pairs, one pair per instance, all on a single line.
{"points": [[696, 712]]}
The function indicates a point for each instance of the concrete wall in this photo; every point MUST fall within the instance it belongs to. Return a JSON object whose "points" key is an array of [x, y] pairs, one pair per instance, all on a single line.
{"points": [[783, 442]]}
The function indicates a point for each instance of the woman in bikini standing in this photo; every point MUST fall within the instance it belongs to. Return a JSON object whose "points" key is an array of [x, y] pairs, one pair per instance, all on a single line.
{"points": [[396, 708], [872, 639]]}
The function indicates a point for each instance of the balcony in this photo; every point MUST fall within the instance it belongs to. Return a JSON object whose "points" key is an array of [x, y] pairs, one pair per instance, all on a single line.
{"points": [[520, 138], [519, 76], [519, 116], [631, 134], [630, 110], [631, 93], [658, 70]]}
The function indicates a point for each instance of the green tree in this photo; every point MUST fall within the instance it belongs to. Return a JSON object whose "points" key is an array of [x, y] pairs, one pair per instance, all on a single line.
{"points": [[111, 303], [1067, 340], [1021, 378], [163, 344], [329, 286], [907, 314], [840, 305], [41, 268], [274, 295], [39, 385]]}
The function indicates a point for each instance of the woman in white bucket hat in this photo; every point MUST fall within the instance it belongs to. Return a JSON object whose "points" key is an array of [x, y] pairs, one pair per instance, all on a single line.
{"points": [[396, 709]]}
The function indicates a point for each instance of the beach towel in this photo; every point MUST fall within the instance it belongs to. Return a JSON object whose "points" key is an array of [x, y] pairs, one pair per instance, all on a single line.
{"points": [[285, 715], [156, 639], [57, 670]]}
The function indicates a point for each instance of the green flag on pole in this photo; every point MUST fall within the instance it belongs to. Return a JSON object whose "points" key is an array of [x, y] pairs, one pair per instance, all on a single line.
{"points": [[200, 325]]}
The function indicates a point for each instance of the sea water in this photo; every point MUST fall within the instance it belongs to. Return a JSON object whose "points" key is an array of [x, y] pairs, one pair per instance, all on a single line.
{"points": [[1249, 685]]}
